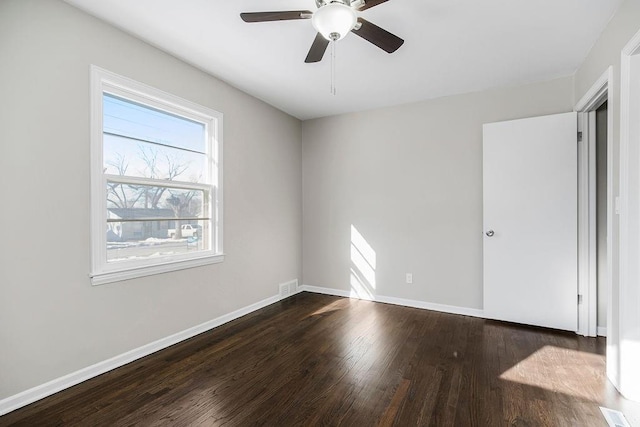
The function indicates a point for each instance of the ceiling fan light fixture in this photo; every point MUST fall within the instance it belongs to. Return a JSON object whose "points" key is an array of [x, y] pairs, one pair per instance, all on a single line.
{"points": [[334, 21]]}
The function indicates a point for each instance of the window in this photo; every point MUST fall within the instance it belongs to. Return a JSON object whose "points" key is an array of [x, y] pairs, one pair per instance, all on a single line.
{"points": [[156, 189]]}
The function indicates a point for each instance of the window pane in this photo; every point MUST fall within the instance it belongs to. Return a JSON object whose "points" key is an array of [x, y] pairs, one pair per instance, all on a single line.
{"points": [[151, 239], [131, 202], [127, 118], [131, 157]]}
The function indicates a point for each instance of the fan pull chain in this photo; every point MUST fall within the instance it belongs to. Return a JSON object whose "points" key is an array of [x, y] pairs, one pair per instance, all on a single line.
{"points": [[333, 68], [334, 37]]}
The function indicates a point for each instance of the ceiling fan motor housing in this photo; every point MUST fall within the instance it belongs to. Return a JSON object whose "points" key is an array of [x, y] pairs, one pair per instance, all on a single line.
{"points": [[354, 4], [334, 20]]}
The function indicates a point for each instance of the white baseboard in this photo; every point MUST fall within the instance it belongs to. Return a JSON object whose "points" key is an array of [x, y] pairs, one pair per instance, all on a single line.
{"points": [[443, 308], [34, 394], [474, 312], [602, 331]]}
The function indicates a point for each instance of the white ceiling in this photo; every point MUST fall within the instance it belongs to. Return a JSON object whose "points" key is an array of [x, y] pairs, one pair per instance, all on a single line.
{"points": [[451, 47]]}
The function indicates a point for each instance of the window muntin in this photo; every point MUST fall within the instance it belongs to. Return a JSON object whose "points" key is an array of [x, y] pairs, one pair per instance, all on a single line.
{"points": [[156, 181]]}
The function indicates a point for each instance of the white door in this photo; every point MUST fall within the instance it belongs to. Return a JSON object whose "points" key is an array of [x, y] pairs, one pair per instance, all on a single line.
{"points": [[530, 221]]}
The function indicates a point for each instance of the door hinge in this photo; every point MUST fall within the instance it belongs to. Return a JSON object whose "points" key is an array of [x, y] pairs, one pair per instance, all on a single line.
{"points": [[579, 299], [579, 136]]}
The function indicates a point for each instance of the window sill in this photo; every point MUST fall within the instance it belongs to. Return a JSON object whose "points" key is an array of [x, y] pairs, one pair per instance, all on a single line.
{"points": [[133, 273]]}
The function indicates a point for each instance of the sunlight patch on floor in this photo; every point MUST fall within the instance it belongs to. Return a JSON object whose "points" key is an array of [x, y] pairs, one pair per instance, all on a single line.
{"points": [[560, 370], [334, 306]]}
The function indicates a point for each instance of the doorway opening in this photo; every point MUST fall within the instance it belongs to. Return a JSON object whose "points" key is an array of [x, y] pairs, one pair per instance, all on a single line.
{"points": [[595, 211], [601, 218]]}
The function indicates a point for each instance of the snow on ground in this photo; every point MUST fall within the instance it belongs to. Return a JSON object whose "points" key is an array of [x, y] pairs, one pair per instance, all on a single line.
{"points": [[151, 241]]}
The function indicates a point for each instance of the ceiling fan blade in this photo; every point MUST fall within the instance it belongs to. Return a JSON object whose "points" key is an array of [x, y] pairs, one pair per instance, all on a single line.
{"points": [[317, 50], [376, 35], [368, 4], [275, 16]]}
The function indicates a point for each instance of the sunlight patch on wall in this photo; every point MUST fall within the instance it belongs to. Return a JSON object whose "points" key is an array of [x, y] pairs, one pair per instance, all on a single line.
{"points": [[630, 361], [363, 266], [359, 288]]}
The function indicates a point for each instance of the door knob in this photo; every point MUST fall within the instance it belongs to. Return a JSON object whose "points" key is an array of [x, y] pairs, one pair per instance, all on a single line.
{"points": [[490, 233]]}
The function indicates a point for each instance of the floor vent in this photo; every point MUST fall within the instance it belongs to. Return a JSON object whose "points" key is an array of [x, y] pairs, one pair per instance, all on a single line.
{"points": [[284, 290], [614, 418], [288, 288], [293, 287]]}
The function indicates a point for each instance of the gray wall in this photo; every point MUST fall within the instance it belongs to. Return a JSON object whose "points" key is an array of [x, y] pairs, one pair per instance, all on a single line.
{"points": [[409, 178], [52, 321], [605, 53]]}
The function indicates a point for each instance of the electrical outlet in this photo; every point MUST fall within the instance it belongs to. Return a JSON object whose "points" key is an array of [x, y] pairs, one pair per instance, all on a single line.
{"points": [[409, 278]]}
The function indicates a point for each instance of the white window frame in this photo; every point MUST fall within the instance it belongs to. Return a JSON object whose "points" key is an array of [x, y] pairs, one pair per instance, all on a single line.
{"points": [[103, 81]]}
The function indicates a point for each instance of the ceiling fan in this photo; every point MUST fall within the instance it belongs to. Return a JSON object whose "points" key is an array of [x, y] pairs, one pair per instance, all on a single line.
{"points": [[333, 20]]}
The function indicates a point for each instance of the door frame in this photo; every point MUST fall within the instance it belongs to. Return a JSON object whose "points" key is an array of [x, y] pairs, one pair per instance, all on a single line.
{"points": [[626, 375], [599, 92]]}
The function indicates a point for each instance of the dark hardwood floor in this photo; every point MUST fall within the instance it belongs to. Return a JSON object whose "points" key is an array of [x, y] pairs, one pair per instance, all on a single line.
{"points": [[322, 360]]}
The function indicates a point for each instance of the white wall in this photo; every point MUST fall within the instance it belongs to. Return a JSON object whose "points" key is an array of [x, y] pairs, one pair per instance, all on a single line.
{"points": [[52, 321], [409, 178], [606, 52]]}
